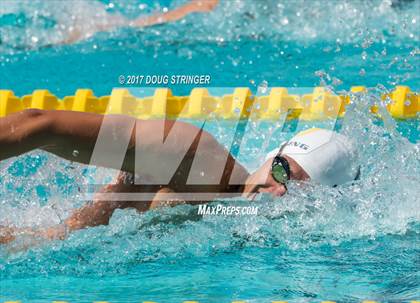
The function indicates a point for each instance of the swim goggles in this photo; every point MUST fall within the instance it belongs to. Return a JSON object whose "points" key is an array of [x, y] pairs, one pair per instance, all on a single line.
{"points": [[280, 169]]}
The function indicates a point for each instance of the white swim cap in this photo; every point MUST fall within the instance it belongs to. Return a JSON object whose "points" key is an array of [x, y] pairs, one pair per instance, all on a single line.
{"points": [[326, 156]]}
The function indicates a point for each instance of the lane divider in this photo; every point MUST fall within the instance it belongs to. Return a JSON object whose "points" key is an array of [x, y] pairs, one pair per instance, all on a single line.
{"points": [[321, 104]]}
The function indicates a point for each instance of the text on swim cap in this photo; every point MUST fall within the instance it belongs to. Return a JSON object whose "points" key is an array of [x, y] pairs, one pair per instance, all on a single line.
{"points": [[298, 144]]}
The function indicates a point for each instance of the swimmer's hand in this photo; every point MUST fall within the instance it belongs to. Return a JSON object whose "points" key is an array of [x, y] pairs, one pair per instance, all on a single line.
{"points": [[261, 181]]}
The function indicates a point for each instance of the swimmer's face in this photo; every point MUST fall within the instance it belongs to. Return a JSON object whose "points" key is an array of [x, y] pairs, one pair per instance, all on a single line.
{"points": [[261, 181]]}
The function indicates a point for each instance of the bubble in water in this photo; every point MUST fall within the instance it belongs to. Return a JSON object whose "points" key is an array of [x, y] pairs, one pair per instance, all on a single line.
{"points": [[362, 72], [364, 55], [284, 21], [383, 52], [75, 153]]}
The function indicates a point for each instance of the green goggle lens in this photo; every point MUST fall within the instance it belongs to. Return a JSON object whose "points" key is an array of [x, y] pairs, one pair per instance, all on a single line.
{"points": [[279, 174]]}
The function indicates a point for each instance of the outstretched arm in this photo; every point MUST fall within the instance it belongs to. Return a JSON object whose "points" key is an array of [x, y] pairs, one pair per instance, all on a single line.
{"points": [[114, 21], [59, 132], [97, 213], [93, 214], [74, 135], [195, 6]]}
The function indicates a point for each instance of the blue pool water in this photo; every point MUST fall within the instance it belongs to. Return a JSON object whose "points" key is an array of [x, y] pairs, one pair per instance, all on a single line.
{"points": [[351, 243]]}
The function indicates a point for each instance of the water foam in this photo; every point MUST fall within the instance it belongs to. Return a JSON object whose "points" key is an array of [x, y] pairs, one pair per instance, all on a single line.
{"points": [[29, 25]]}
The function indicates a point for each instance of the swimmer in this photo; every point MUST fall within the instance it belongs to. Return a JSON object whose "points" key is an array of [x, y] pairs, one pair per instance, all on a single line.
{"points": [[83, 29], [318, 155]]}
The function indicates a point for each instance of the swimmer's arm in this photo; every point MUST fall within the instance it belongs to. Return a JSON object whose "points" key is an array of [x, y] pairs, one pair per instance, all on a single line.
{"points": [[97, 213], [194, 6], [54, 131], [67, 134], [91, 215], [117, 20], [94, 214], [73, 136]]}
